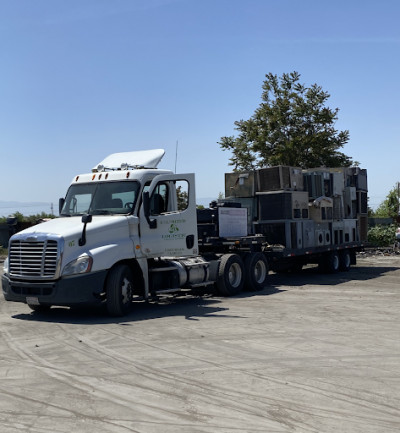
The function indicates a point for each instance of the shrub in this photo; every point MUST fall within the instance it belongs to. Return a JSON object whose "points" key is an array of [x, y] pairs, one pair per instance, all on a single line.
{"points": [[382, 236]]}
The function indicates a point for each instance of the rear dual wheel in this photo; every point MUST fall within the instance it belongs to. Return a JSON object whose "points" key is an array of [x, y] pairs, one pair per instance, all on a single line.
{"points": [[344, 261], [234, 274], [336, 261], [256, 271], [230, 275], [329, 263]]}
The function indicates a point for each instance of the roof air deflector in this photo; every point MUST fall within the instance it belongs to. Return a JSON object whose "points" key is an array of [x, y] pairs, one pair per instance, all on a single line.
{"points": [[131, 160]]}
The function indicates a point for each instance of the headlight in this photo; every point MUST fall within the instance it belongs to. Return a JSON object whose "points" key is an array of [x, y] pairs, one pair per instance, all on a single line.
{"points": [[81, 265], [5, 266]]}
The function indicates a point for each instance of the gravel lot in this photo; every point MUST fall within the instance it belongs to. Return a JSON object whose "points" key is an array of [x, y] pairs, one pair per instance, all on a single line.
{"points": [[310, 353]]}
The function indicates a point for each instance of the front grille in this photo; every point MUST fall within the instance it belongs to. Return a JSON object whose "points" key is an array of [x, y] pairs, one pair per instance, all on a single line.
{"points": [[37, 259]]}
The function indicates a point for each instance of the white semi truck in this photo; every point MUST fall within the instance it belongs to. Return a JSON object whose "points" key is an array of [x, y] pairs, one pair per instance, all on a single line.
{"points": [[130, 231]]}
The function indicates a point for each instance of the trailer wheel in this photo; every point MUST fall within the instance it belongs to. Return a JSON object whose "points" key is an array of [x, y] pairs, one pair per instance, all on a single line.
{"points": [[119, 291], [256, 271], [344, 261], [230, 275], [330, 263]]}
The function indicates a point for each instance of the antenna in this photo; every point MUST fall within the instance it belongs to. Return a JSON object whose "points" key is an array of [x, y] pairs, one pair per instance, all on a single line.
{"points": [[176, 154]]}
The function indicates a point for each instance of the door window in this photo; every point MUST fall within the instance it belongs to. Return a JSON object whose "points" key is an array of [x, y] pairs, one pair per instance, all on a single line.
{"points": [[182, 194]]}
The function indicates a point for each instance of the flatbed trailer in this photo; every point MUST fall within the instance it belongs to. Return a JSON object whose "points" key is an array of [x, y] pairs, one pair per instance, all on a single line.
{"points": [[331, 258]]}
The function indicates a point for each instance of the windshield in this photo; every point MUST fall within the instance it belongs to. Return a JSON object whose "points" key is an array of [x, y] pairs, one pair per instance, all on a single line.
{"points": [[101, 198]]}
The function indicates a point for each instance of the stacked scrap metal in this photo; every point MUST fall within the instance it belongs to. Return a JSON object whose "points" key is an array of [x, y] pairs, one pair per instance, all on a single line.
{"points": [[302, 208]]}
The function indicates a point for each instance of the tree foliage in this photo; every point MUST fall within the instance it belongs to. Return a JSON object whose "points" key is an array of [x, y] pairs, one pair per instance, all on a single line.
{"points": [[30, 218], [182, 197], [389, 208], [382, 236], [292, 126]]}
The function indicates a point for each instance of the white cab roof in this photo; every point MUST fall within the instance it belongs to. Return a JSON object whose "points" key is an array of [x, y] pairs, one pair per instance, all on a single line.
{"points": [[136, 159]]}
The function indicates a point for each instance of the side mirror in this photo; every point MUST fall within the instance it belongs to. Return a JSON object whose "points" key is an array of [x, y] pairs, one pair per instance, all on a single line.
{"points": [[61, 202], [146, 208], [87, 218], [12, 221]]}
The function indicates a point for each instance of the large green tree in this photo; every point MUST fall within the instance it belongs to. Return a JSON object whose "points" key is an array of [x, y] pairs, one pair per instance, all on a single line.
{"points": [[292, 126]]}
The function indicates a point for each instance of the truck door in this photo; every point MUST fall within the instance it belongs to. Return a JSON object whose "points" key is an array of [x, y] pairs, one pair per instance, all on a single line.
{"points": [[169, 227]]}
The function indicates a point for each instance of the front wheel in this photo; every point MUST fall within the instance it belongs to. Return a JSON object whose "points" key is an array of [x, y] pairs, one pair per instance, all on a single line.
{"points": [[119, 291], [230, 275]]}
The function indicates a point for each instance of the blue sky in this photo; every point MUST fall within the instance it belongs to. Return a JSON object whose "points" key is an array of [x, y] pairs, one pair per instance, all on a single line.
{"points": [[81, 79]]}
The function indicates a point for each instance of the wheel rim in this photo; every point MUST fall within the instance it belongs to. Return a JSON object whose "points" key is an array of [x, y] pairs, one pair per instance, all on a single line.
{"points": [[235, 275], [260, 272], [126, 291]]}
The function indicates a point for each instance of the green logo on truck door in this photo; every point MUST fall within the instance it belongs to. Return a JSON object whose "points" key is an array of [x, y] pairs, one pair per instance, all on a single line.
{"points": [[173, 228], [173, 231]]}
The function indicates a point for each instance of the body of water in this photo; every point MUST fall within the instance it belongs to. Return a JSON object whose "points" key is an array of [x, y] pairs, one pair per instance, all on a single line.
{"points": [[27, 209]]}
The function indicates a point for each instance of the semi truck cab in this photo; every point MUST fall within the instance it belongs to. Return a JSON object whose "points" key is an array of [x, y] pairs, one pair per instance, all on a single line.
{"points": [[122, 214]]}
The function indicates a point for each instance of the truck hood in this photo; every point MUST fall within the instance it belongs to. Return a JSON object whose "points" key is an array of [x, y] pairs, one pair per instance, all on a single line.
{"points": [[108, 238], [72, 227]]}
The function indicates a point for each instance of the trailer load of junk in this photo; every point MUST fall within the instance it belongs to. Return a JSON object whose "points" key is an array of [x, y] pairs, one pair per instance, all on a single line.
{"points": [[296, 209], [129, 231]]}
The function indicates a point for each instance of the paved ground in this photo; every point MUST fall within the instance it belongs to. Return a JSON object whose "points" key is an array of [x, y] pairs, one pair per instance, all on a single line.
{"points": [[311, 353]]}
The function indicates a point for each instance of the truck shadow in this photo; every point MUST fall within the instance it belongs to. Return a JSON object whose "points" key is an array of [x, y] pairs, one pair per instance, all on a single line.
{"points": [[191, 306], [312, 275]]}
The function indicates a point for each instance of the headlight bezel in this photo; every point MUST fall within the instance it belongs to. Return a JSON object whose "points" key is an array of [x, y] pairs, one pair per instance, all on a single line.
{"points": [[81, 265]]}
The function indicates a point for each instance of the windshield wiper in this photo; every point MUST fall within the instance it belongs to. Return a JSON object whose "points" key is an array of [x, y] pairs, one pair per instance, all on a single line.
{"points": [[101, 212], [71, 214]]}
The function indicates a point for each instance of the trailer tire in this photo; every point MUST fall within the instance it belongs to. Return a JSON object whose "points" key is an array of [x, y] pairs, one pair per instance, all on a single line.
{"points": [[330, 263], [119, 291], [344, 261], [256, 271], [230, 275]]}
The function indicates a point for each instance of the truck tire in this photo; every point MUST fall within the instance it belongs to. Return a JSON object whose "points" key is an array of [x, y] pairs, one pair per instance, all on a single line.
{"points": [[330, 262], [230, 275], [256, 271], [119, 291], [344, 261]]}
